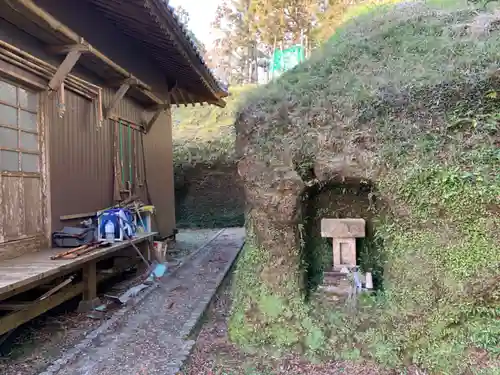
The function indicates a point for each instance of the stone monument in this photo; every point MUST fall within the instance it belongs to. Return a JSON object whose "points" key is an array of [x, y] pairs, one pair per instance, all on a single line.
{"points": [[343, 233]]}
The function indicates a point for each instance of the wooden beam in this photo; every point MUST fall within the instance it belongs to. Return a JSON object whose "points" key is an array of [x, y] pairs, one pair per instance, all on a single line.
{"points": [[164, 107], [155, 117], [90, 281], [16, 319], [14, 306], [149, 94], [64, 69], [116, 98], [132, 81], [60, 50], [47, 20], [77, 216]]}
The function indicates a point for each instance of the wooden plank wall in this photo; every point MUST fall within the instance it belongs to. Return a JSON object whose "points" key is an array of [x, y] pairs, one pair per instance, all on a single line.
{"points": [[79, 157]]}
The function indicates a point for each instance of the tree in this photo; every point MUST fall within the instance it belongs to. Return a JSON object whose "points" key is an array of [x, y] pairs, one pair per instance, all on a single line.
{"points": [[182, 14], [236, 42], [184, 18], [253, 27]]}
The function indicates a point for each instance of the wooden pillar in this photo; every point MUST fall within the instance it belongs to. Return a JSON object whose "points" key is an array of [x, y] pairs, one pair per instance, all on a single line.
{"points": [[158, 152], [90, 299]]}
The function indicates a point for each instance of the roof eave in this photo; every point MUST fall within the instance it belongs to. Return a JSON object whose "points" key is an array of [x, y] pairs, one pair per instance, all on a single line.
{"points": [[187, 47]]}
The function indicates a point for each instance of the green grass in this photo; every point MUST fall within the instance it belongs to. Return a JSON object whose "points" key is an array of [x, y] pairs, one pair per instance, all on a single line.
{"points": [[205, 134], [208, 195], [406, 97]]}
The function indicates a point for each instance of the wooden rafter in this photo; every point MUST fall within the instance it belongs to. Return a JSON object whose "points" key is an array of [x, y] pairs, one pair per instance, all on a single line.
{"points": [[191, 99], [174, 97], [183, 97]]}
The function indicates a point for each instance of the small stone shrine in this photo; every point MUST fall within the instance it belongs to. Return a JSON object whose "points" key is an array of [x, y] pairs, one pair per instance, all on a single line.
{"points": [[343, 233]]}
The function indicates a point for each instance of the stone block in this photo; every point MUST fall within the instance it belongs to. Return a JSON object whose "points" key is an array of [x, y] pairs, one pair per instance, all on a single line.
{"points": [[343, 228], [344, 253], [88, 305]]}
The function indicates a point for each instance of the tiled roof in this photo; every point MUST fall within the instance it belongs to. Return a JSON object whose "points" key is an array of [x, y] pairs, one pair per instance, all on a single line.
{"points": [[153, 24], [199, 53]]}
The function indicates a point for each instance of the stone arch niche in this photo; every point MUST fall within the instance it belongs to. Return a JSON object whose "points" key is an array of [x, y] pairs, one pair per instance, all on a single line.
{"points": [[338, 198], [286, 206]]}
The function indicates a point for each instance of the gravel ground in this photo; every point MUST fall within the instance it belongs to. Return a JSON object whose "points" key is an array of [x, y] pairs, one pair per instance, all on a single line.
{"points": [[148, 340], [188, 240], [33, 346]]}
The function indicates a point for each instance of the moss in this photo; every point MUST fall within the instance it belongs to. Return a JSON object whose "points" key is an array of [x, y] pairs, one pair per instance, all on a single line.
{"points": [[261, 315], [407, 97]]}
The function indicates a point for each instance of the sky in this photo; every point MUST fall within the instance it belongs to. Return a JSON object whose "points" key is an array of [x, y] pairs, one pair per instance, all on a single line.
{"points": [[201, 14]]}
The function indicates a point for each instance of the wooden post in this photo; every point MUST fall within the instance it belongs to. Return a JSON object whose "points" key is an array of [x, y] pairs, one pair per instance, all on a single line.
{"points": [[183, 98], [90, 299], [90, 281]]}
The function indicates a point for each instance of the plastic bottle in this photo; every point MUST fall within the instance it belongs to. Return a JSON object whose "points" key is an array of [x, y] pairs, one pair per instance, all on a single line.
{"points": [[369, 280], [123, 222], [109, 229]]}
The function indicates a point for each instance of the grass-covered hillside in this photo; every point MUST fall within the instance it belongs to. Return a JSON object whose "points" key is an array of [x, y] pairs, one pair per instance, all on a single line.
{"points": [[205, 134], [208, 192], [401, 108]]}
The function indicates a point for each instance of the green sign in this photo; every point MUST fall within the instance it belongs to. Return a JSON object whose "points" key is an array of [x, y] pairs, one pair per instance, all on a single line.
{"points": [[286, 59]]}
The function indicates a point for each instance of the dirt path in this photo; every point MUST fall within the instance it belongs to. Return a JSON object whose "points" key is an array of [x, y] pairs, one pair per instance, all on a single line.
{"points": [[150, 339]]}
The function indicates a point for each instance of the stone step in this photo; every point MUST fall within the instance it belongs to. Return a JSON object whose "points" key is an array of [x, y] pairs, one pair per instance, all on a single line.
{"points": [[336, 290], [334, 274], [335, 279]]}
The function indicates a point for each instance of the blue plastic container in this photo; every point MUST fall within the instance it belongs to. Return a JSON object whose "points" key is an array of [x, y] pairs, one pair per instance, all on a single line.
{"points": [[123, 222]]}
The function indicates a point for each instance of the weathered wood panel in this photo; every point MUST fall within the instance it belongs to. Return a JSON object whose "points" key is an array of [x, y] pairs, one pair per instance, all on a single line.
{"points": [[22, 226], [14, 249], [12, 209], [32, 206]]}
